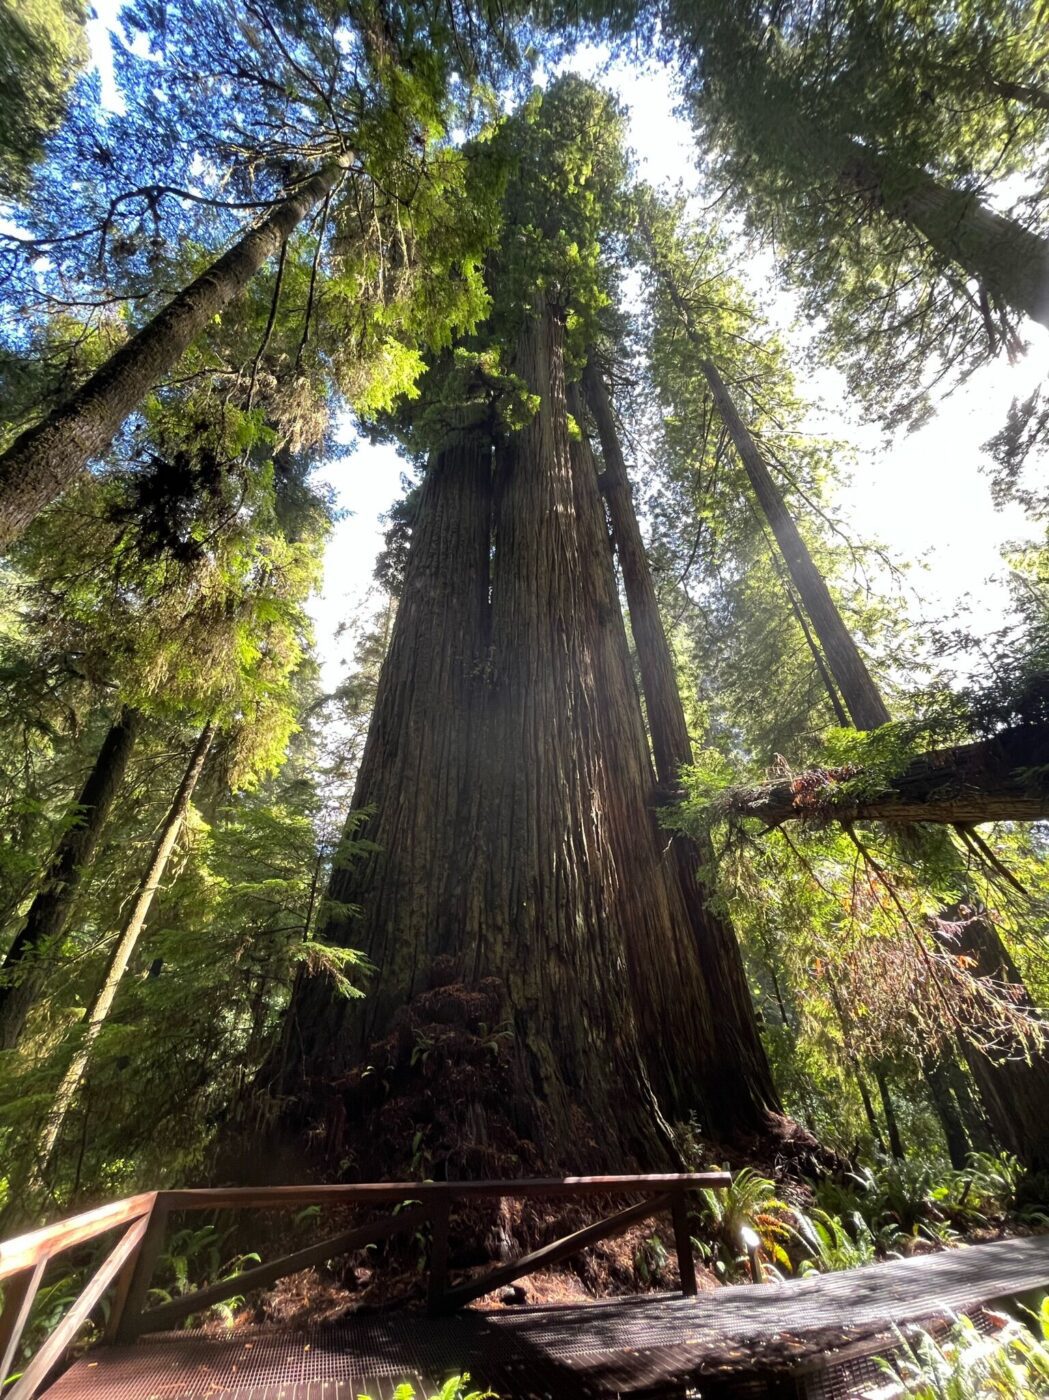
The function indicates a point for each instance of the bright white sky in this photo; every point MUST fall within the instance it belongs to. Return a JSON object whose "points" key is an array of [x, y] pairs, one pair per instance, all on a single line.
{"points": [[922, 496]]}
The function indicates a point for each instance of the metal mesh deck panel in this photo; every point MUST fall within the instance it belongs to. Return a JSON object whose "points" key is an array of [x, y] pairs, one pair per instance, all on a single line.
{"points": [[639, 1347]]}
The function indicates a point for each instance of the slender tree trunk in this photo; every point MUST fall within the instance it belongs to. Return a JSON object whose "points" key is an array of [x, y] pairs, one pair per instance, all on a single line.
{"points": [[895, 1141], [24, 970], [947, 1111], [868, 1107], [739, 1041], [95, 1016], [1012, 1082], [687, 1069], [47, 458], [862, 698]]}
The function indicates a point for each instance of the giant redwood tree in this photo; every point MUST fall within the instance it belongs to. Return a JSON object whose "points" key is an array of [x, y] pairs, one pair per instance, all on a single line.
{"points": [[518, 896]]}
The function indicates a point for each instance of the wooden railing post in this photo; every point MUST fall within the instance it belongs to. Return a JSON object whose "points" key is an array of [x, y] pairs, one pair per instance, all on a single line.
{"points": [[133, 1288], [686, 1264], [19, 1293], [438, 1280]]}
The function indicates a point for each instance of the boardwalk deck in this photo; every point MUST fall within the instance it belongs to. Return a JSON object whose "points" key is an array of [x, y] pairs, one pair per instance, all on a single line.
{"points": [[637, 1347]]}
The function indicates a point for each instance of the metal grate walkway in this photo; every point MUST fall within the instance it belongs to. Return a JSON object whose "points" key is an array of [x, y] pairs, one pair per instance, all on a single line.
{"points": [[633, 1347]]}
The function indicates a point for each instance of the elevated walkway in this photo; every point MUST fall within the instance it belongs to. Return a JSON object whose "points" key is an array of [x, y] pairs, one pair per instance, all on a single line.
{"points": [[798, 1337], [774, 1339]]}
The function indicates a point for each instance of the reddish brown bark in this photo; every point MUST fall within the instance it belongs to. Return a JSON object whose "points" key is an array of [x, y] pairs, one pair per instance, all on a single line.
{"points": [[518, 861], [740, 1056]]}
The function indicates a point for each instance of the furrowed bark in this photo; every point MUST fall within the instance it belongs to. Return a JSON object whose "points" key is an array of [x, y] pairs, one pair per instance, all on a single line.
{"points": [[571, 868], [48, 457], [95, 1016], [24, 970], [985, 781], [417, 776], [672, 997], [740, 1055]]}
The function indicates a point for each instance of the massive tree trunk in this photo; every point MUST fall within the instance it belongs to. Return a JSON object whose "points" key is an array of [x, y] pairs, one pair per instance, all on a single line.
{"points": [[518, 898], [24, 970], [403, 902], [739, 1050], [95, 1016], [47, 458]]}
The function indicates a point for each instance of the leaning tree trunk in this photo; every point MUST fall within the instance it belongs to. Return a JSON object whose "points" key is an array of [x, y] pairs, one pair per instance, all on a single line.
{"points": [[95, 1016], [862, 698], [739, 1050], [24, 970], [1003, 256], [48, 457]]}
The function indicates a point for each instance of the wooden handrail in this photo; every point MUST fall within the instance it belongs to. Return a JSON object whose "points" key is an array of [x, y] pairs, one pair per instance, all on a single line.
{"points": [[287, 1197], [25, 1251], [64, 1334], [262, 1274], [132, 1261]]}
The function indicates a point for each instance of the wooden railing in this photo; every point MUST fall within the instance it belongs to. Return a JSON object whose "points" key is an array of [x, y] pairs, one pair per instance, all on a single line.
{"points": [[131, 1264]]}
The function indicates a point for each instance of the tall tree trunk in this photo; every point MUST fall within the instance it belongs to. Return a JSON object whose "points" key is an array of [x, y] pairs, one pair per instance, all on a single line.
{"points": [[48, 457], [95, 1016], [517, 867], [1012, 1082], [24, 970], [1008, 260], [403, 901], [862, 697], [669, 987], [739, 1041]]}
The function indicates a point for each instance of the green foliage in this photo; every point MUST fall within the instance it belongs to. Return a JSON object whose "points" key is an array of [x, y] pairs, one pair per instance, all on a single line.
{"points": [[194, 1258], [750, 1202], [1011, 1364], [833, 1246], [454, 1388], [42, 46]]}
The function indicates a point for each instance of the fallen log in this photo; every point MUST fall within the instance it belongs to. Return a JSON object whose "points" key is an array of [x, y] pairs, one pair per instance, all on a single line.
{"points": [[1002, 778]]}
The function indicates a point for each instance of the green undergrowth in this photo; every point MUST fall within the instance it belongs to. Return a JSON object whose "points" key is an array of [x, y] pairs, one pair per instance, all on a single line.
{"points": [[1013, 1364], [880, 1211]]}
